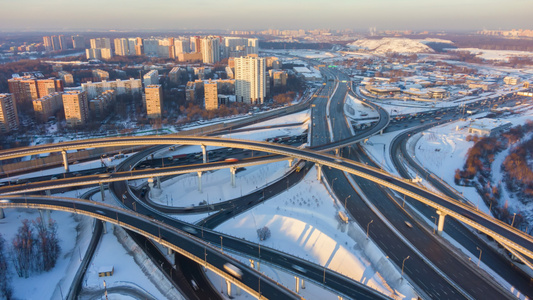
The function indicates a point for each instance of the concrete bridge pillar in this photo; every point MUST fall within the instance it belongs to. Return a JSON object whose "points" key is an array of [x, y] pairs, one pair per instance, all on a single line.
{"points": [[381, 132], [252, 264], [104, 226], [297, 284], [169, 251], [48, 192], [258, 266], [303, 283], [204, 152], [45, 215], [232, 170], [102, 191], [290, 163], [440, 227], [319, 172], [65, 160], [228, 285], [337, 151], [2, 215], [199, 181], [158, 180]]}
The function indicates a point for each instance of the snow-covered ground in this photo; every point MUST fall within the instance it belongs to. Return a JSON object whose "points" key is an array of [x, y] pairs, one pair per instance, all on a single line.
{"points": [[58, 279], [385, 45], [182, 191], [443, 149], [495, 54], [303, 222]]}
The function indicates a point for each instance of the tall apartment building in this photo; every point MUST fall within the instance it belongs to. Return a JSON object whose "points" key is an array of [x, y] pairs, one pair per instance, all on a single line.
{"points": [[196, 45], [253, 46], [100, 43], [99, 105], [154, 101], [48, 43], [78, 42], [182, 46], [67, 78], [47, 106], [210, 49], [238, 46], [151, 77], [175, 74], [122, 47], [121, 87], [278, 77], [25, 89], [9, 119], [76, 108], [211, 95], [63, 45], [101, 74], [55, 43], [250, 79]]}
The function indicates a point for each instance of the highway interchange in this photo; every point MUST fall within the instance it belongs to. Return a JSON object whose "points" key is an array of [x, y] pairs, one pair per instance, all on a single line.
{"points": [[438, 286]]}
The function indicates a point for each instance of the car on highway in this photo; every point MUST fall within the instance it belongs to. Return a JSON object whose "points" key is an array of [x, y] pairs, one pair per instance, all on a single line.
{"points": [[233, 270], [408, 224], [190, 230], [299, 269]]}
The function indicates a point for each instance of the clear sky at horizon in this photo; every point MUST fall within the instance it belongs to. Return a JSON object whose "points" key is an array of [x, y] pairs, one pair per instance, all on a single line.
{"points": [[253, 15]]}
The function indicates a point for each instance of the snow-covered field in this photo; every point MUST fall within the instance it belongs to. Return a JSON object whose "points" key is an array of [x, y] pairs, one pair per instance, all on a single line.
{"points": [[182, 191], [384, 45], [354, 109], [495, 54], [62, 274], [303, 222]]}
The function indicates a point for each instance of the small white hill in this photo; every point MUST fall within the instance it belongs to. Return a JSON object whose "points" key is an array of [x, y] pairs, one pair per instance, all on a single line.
{"points": [[392, 45]]}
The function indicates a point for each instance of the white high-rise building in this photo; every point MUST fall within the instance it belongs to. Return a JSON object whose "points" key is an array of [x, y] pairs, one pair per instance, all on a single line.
{"points": [[253, 46], [101, 43], [151, 78], [210, 49], [182, 46], [121, 47], [132, 42], [250, 79]]}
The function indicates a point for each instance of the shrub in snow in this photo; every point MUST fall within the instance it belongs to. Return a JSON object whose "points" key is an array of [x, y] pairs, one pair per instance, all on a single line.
{"points": [[263, 233]]}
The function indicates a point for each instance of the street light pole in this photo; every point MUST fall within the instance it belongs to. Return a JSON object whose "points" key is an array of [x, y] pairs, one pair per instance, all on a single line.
{"points": [[221, 247], [346, 200], [479, 259], [403, 263], [512, 223], [368, 227], [435, 224]]}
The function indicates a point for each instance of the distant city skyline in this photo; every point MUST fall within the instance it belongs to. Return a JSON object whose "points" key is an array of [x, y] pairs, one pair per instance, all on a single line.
{"points": [[64, 15]]}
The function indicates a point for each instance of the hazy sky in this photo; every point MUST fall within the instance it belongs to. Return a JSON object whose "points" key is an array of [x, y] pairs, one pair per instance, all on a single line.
{"points": [[253, 14]]}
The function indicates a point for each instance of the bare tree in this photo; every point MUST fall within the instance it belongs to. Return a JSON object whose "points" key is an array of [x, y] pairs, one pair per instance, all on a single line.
{"points": [[47, 244], [23, 250], [5, 287]]}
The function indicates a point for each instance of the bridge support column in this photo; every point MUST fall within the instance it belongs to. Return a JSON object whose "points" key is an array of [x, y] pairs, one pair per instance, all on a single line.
{"points": [[45, 215], [381, 132], [258, 266], [104, 226], [252, 264], [297, 284], [228, 285], [303, 284], [102, 191], [232, 170], [204, 153], [337, 151], [290, 163], [200, 181], [2, 215], [65, 160], [158, 180], [440, 227], [169, 251], [318, 172]]}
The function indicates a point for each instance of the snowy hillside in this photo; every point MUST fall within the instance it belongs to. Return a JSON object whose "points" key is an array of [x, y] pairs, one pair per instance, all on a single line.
{"points": [[392, 45]]}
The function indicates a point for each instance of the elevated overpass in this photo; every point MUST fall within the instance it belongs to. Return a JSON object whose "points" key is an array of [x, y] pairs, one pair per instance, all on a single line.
{"points": [[447, 206]]}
